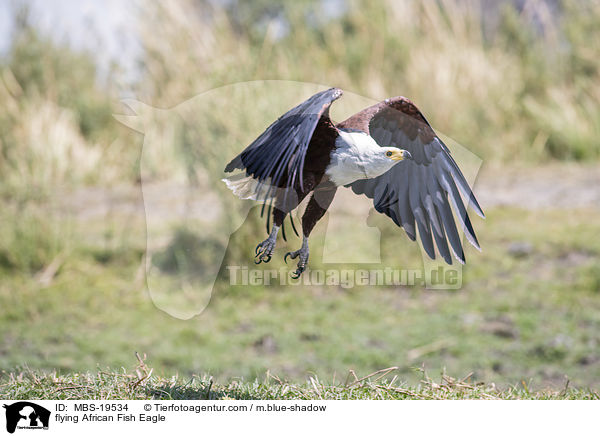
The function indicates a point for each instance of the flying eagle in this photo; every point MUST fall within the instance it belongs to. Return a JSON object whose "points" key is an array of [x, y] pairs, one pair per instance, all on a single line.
{"points": [[388, 152]]}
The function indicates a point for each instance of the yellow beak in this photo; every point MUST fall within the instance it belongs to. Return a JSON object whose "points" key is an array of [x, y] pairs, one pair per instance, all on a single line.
{"points": [[399, 155]]}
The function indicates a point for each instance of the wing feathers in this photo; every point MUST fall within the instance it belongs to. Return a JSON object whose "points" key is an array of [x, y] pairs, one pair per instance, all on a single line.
{"points": [[460, 210], [421, 219], [418, 192], [443, 208], [279, 152]]}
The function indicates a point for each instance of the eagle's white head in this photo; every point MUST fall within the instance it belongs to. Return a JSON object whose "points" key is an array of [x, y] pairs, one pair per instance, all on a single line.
{"points": [[358, 156]]}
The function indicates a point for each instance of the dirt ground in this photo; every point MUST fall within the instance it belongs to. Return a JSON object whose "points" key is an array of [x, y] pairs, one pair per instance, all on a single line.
{"points": [[568, 186]]}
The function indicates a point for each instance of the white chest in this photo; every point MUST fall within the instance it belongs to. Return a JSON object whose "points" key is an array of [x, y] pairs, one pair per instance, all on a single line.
{"points": [[356, 156]]}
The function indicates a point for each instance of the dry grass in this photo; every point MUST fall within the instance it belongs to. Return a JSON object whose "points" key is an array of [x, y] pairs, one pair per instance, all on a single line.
{"points": [[508, 84], [140, 384]]}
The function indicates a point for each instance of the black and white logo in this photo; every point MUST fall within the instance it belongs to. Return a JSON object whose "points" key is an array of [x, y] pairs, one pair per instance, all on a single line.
{"points": [[26, 415]]}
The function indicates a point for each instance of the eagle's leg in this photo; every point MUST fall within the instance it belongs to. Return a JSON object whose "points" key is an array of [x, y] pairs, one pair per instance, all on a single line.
{"points": [[317, 206], [264, 250], [283, 203], [303, 254]]}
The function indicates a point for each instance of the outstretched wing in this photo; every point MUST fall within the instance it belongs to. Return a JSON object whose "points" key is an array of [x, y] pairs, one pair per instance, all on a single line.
{"points": [[418, 190], [277, 156]]}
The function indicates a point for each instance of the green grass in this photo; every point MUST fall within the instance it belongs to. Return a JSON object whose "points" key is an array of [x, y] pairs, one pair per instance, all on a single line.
{"points": [[142, 385], [529, 317]]}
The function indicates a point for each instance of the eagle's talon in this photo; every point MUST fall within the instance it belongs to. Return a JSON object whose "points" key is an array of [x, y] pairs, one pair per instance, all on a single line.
{"points": [[264, 250], [296, 274], [303, 254], [292, 254]]}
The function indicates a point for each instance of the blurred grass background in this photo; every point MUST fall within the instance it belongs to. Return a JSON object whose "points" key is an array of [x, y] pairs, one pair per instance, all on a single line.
{"points": [[517, 83]]}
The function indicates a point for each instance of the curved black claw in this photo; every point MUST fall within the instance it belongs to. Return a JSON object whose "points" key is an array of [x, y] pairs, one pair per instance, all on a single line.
{"points": [[264, 250], [303, 254], [292, 254], [296, 274]]}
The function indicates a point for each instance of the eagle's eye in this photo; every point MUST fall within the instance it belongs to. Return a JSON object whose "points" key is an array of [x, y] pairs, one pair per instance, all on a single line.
{"points": [[388, 154]]}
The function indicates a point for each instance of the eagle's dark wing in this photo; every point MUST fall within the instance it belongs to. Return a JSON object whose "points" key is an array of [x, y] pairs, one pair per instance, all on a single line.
{"points": [[277, 156], [419, 189]]}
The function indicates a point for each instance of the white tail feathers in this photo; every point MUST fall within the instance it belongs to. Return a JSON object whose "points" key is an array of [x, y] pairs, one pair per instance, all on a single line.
{"points": [[248, 188]]}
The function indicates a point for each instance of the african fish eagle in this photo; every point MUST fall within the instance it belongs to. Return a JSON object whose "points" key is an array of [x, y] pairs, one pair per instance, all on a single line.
{"points": [[388, 152]]}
